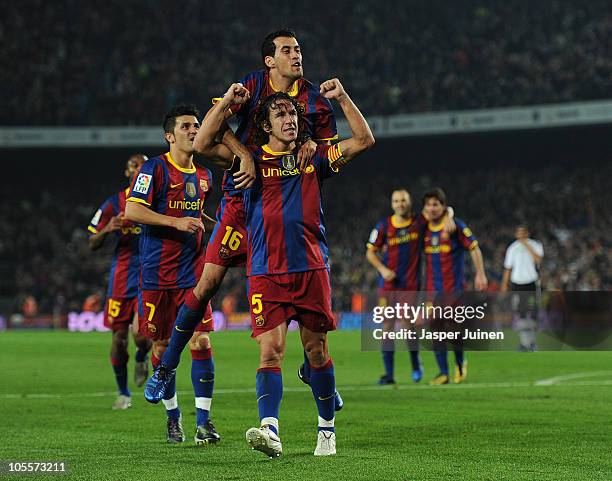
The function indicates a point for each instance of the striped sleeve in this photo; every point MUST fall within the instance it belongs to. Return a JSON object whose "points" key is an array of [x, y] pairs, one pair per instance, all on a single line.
{"points": [[102, 217], [143, 185], [465, 236], [378, 236]]}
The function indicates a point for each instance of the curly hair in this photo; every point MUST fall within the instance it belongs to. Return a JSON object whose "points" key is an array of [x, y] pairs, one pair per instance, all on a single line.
{"points": [[262, 117]]}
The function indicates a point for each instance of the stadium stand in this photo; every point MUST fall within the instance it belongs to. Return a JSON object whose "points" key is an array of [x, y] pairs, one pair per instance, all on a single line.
{"points": [[91, 65]]}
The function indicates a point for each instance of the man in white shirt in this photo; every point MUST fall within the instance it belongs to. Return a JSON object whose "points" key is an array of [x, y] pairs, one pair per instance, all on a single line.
{"points": [[521, 265]]}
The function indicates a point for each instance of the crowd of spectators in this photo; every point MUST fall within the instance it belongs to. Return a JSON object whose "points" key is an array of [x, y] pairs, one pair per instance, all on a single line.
{"points": [[124, 62], [44, 253]]}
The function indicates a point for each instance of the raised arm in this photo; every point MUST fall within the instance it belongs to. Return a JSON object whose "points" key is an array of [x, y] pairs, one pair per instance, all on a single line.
{"points": [[361, 138], [204, 142], [245, 176]]}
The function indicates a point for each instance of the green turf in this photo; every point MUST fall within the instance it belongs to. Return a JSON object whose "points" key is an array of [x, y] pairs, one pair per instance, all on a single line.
{"points": [[498, 425]]}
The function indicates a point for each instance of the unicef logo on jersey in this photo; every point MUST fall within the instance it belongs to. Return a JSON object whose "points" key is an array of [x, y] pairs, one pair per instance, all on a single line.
{"points": [[288, 162]]}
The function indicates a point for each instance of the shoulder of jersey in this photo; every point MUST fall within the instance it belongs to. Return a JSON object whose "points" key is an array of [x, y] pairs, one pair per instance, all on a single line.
{"points": [[156, 160]]}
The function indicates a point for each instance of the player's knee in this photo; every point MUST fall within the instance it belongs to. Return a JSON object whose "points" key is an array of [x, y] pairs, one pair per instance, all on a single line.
{"points": [[317, 357], [316, 353], [142, 342], [120, 340], [209, 282], [272, 354], [200, 342]]}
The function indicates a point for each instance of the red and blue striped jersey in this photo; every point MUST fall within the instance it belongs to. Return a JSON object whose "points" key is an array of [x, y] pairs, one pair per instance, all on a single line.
{"points": [[444, 255], [318, 113], [284, 212], [400, 243], [171, 259], [125, 266]]}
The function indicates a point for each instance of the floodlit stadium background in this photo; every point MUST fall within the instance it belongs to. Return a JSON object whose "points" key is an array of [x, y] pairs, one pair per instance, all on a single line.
{"points": [[545, 161]]}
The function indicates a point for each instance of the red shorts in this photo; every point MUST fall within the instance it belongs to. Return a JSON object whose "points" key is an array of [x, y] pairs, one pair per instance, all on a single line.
{"points": [[301, 296], [119, 312], [227, 244], [158, 310]]}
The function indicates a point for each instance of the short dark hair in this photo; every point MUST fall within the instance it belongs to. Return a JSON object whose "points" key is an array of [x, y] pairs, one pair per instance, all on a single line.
{"points": [[268, 47], [435, 193], [177, 111], [262, 115]]}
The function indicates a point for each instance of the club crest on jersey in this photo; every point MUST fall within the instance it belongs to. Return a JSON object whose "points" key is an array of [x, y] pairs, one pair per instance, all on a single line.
{"points": [[151, 327], [260, 321], [444, 235], [190, 188], [203, 185], [142, 184], [224, 252], [288, 162]]}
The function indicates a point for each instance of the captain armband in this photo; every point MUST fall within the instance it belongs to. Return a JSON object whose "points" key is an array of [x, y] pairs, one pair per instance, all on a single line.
{"points": [[336, 159]]}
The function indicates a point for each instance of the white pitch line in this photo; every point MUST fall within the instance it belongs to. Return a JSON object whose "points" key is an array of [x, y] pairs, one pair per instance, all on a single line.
{"points": [[486, 385], [569, 377]]}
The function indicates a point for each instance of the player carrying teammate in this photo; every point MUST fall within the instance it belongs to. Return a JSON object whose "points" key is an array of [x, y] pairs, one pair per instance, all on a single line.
{"points": [[121, 306], [282, 57], [287, 253], [444, 268], [168, 197]]}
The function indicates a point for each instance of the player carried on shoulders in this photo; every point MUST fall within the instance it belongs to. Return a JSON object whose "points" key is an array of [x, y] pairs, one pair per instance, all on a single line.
{"points": [[287, 252], [282, 57]]}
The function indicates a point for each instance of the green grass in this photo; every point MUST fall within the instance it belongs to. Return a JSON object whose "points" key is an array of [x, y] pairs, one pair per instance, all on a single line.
{"points": [[497, 426]]}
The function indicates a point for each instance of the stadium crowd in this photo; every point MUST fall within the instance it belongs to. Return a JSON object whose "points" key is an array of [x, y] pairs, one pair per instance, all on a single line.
{"points": [[124, 63], [44, 252]]}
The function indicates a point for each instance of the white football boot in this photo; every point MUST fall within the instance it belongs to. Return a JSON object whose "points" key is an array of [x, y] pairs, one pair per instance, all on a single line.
{"points": [[122, 402], [265, 440], [326, 444]]}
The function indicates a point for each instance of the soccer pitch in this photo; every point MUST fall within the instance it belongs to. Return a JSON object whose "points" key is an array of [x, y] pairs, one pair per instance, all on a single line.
{"points": [[519, 416]]}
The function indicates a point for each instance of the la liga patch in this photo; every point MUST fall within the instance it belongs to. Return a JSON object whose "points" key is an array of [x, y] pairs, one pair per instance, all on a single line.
{"points": [[143, 182]]}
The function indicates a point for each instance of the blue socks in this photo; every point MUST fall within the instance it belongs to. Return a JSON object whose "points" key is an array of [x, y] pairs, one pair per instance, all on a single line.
{"points": [[121, 377], [415, 360], [323, 385], [306, 370], [388, 361], [203, 380], [442, 360], [459, 357], [269, 389], [189, 315], [141, 355], [170, 401]]}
